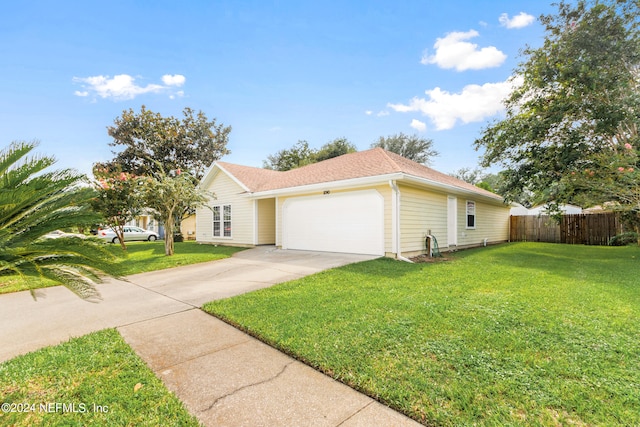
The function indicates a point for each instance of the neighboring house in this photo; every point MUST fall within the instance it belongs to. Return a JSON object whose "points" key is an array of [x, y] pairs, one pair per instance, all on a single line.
{"points": [[148, 222], [188, 227], [520, 210], [369, 202]]}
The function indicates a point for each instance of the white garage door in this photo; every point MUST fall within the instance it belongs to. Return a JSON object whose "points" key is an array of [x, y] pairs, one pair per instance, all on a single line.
{"points": [[350, 222]]}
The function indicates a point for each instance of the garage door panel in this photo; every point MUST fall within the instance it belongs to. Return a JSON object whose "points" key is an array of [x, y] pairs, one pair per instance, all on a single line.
{"points": [[350, 222]]}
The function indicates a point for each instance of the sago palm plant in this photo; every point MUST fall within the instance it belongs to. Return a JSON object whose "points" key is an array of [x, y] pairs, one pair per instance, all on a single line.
{"points": [[34, 202]]}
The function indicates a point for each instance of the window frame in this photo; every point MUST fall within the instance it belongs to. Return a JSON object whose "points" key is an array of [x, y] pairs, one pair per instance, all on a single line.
{"points": [[471, 213], [222, 215]]}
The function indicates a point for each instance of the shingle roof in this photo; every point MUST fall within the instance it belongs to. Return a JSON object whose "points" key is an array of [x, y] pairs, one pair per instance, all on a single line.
{"points": [[361, 164]]}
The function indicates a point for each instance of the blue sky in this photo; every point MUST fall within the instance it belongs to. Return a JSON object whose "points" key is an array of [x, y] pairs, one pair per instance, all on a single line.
{"points": [[275, 71]]}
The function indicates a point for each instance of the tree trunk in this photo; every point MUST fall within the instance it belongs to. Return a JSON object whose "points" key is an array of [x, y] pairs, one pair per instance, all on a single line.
{"points": [[168, 236], [119, 230]]}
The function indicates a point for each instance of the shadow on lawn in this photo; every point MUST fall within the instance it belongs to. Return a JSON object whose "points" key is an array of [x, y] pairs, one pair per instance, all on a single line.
{"points": [[605, 264], [384, 267], [181, 248]]}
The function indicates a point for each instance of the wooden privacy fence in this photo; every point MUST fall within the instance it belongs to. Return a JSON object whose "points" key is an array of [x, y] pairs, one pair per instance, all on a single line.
{"points": [[575, 229]]}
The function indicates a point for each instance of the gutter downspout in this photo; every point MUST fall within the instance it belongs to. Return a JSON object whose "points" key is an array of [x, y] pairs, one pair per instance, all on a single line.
{"points": [[395, 219]]}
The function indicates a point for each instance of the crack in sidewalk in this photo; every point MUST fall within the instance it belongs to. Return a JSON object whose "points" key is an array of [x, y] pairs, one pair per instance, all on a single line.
{"points": [[355, 413], [162, 370], [215, 402]]}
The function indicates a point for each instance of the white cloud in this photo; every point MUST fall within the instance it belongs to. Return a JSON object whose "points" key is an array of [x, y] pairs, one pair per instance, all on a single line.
{"points": [[175, 80], [473, 104], [378, 114], [452, 51], [178, 94], [418, 125], [123, 86], [519, 21]]}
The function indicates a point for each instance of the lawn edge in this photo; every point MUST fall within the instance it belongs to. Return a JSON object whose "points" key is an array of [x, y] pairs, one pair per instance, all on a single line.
{"points": [[306, 362]]}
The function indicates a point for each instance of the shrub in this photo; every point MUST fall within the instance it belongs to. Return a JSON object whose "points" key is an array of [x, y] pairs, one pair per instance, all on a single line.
{"points": [[624, 239]]}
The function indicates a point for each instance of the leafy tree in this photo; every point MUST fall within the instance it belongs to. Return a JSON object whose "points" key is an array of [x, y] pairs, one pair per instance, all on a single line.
{"points": [[493, 182], [578, 101], [472, 176], [412, 147], [190, 144], [612, 179], [301, 154], [298, 155], [487, 181], [335, 148], [34, 202], [118, 199], [168, 195]]}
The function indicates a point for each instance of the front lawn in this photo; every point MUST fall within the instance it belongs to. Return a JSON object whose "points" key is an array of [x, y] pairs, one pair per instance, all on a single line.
{"points": [[138, 258], [92, 380], [518, 334]]}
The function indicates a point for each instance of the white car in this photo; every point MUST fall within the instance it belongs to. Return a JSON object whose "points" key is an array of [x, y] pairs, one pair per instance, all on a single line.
{"points": [[130, 233]]}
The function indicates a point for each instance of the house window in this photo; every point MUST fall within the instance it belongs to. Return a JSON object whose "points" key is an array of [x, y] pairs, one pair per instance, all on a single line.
{"points": [[222, 221], [471, 214], [226, 220]]}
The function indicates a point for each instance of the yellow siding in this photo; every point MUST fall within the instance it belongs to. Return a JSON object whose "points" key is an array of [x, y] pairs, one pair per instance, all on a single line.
{"points": [[266, 221], [188, 227], [226, 192], [384, 190], [492, 223], [420, 212], [423, 210]]}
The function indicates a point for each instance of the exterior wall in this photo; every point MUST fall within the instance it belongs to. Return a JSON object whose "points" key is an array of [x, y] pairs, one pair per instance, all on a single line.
{"points": [[384, 190], [227, 191], [266, 221], [421, 211], [492, 223]]}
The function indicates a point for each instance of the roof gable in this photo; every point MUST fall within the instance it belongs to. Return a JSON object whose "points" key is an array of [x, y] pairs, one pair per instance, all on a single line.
{"points": [[361, 164]]}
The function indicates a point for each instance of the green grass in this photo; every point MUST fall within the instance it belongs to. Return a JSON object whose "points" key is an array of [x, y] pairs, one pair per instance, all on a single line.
{"points": [[138, 258], [149, 256], [97, 369], [518, 334]]}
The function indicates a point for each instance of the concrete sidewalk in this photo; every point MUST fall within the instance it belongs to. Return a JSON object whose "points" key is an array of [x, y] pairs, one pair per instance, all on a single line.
{"points": [[224, 377], [227, 378]]}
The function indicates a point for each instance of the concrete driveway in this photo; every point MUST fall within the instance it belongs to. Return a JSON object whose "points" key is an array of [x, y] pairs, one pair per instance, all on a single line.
{"points": [[58, 314], [223, 376]]}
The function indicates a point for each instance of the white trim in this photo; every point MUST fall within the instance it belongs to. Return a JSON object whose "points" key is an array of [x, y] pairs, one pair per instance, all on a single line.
{"points": [[395, 217], [376, 180], [255, 222], [330, 185], [236, 180], [466, 214], [278, 236], [208, 177], [452, 214], [222, 221]]}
